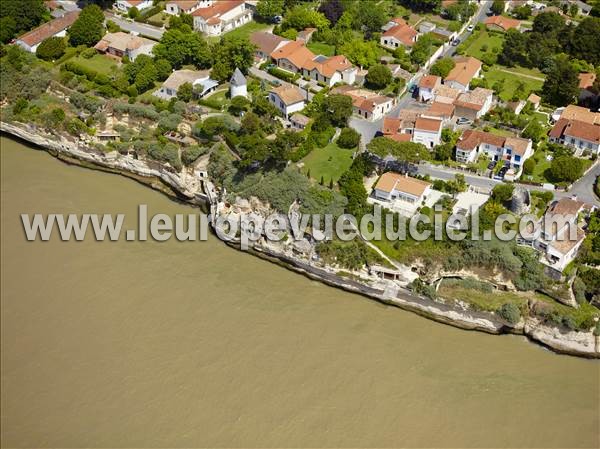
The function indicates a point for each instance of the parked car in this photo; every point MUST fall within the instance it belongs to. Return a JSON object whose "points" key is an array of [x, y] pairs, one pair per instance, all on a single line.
{"points": [[491, 165], [463, 121], [455, 42], [470, 28]]}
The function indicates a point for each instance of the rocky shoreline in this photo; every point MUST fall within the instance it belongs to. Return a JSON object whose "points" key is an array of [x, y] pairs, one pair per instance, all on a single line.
{"points": [[189, 190]]}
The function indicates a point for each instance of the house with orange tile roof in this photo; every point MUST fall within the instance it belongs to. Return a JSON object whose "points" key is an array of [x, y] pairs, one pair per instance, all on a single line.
{"points": [[513, 151], [396, 187], [287, 98], [292, 56], [122, 44], [574, 112], [464, 71], [577, 134], [295, 57], [474, 104], [365, 103], [400, 34], [215, 17], [55, 28], [428, 131], [501, 23], [427, 85], [126, 5]]}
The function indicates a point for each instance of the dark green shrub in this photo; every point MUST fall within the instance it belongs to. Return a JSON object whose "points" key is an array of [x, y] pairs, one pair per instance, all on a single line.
{"points": [[349, 138], [510, 313]]}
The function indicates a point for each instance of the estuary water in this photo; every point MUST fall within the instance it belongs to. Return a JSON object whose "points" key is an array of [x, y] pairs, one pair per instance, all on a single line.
{"points": [[149, 344]]}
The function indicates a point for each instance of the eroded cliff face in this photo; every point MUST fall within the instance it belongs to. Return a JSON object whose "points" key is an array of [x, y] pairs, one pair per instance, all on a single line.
{"points": [[149, 172], [584, 344], [186, 186]]}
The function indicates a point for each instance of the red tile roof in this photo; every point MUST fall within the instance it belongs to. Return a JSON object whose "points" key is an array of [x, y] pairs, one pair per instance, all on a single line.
{"points": [[429, 81], [403, 32], [586, 80], [217, 9], [49, 29], [506, 23]]}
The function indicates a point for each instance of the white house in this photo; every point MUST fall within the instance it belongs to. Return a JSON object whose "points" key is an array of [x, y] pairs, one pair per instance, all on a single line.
{"points": [[561, 237], [365, 103], [427, 86], [395, 187], [122, 44], [214, 18], [238, 86], [399, 34], [427, 131], [126, 5], [55, 28], [287, 98], [176, 7], [200, 80], [512, 150], [576, 134], [336, 69], [464, 71]]}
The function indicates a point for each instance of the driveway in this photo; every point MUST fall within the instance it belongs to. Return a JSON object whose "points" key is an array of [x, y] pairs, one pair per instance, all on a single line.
{"points": [[140, 28], [368, 128], [263, 75]]}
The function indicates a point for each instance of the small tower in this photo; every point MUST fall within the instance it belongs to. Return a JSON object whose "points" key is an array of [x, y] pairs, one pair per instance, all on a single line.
{"points": [[238, 85]]}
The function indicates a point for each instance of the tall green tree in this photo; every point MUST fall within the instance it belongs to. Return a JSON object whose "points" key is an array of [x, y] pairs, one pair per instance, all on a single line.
{"points": [[338, 108], [268, 9], [88, 29], [498, 7], [584, 42], [442, 67], [19, 16], [229, 53], [562, 83], [182, 48], [379, 76]]}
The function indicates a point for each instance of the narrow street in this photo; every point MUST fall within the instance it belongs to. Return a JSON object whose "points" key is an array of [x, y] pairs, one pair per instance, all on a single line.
{"points": [[140, 28]]}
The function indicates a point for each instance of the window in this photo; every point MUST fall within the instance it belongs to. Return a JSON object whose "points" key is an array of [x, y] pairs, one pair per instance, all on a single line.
{"points": [[517, 158]]}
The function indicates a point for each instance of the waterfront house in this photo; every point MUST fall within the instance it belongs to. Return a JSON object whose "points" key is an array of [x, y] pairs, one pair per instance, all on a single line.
{"points": [[214, 18], [200, 80], [287, 98], [122, 44], [464, 71], [55, 28], [396, 187]]}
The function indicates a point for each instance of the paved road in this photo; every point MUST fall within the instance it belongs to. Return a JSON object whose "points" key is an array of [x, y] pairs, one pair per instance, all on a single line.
{"points": [[141, 28], [583, 188]]}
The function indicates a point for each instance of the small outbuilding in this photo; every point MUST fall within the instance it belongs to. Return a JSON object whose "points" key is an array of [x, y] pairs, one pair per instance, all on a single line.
{"points": [[238, 85]]}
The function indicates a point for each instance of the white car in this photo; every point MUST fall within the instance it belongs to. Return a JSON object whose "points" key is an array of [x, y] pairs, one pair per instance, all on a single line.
{"points": [[470, 28]]}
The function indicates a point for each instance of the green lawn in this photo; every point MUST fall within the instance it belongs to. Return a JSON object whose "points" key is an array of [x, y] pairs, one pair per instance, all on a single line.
{"points": [[247, 29], [321, 48], [476, 44], [99, 63], [501, 132], [329, 162], [511, 83]]}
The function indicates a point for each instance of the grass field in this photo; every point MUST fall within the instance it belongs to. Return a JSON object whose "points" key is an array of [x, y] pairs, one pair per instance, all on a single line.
{"points": [[320, 48], [476, 45], [247, 29], [329, 162], [99, 63], [511, 83]]}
